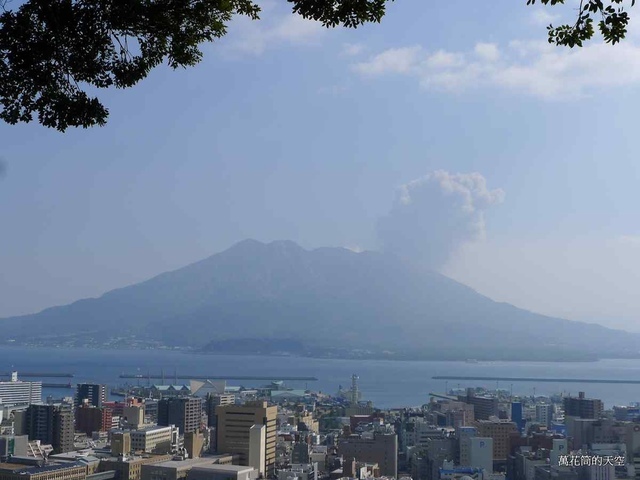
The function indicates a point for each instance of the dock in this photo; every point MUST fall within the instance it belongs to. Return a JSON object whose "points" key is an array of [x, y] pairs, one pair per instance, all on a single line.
{"points": [[217, 377], [39, 375], [541, 380]]}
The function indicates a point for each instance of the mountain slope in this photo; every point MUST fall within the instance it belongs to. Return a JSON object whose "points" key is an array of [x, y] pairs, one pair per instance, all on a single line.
{"points": [[329, 299]]}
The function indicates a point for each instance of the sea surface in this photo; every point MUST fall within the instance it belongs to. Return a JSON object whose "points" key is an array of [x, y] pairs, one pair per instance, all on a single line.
{"points": [[386, 383]]}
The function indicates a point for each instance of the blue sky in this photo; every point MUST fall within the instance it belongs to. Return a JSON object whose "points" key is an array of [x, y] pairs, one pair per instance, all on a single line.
{"points": [[290, 131]]}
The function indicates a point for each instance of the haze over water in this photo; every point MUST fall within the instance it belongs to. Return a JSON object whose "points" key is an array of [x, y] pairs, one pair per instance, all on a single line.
{"points": [[387, 383]]}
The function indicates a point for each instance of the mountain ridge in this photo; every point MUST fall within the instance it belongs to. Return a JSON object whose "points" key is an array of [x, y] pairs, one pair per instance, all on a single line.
{"points": [[322, 300]]}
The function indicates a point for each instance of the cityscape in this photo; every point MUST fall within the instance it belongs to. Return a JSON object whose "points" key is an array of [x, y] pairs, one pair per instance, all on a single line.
{"points": [[208, 429]]}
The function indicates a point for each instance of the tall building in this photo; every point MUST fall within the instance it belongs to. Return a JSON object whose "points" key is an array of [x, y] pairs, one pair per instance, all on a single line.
{"points": [[481, 453], [582, 407], [93, 419], [183, 412], [234, 431], [465, 434], [258, 447], [91, 393], [17, 392], [215, 400], [516, 415], [483, 406], [500, 431], [51, 424], [380, 448], [544, 414]]}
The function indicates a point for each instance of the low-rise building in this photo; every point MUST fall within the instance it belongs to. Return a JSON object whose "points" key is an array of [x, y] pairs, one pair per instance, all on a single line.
{"points": [[223, 472]]}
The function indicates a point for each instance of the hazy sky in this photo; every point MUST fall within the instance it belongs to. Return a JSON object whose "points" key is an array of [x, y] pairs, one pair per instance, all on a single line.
{"points": [[447, 110]]}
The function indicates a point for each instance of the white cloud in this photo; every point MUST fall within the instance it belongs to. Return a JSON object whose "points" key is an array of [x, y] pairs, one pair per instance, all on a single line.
{"points": [[395, 60], [487, 51], [526, 67], [352, 49], [274, 29], [541, 17], [434, 215]]}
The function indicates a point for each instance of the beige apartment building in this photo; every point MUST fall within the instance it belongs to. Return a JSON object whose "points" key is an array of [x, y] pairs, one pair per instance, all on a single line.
{"points": [[234, 424]]}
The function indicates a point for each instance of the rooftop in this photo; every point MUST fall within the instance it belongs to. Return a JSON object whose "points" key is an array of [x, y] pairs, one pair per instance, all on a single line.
{"points": [[224, 468]]}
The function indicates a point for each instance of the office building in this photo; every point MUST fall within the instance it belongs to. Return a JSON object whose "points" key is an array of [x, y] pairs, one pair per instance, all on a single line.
{"points": [[464, 435], [183, 412], [234, 431], [216, 400], [517, 416], [500, 431], [13, 445], [258, 448], [51, 471], [154, 439], [222, 472], [130, 468], [582, 407], [481, 453], [544, 414], [90, 393], [120, 443], [133, 416], [51, 424], [372, 447], [93, 419], [194, 444], [17, 392], [483, 406], [177, 469]]}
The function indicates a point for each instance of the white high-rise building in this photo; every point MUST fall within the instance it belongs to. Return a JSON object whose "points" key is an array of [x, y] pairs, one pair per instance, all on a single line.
{"points": [[17, 392], [258, 447], [544, 414], [481, 453]]}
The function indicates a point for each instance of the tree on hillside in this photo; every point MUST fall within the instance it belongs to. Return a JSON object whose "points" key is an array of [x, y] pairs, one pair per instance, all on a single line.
{"points": [[52, 51]]}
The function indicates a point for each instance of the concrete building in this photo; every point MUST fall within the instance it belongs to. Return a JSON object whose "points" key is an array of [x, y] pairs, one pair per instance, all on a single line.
{"points": [[130, 468], [174, 469], [154, 439], [299, 471], [91, 419], [481, 453], [17, 392], [120, 443], [52, 471], [234, 431], [544, 414], [213, 401], [258, 448], [13, 445], [52, 424], [222, 472], [372, 447], [484, 407], [92, 393], [194, 444], [464, 435], [183, 412], [133, 416], [582, 407], [579, 431], [500, 431]]}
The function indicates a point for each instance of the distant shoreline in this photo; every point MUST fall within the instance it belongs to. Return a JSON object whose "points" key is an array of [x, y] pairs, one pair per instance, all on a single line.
{"points": [[342, 355]]}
